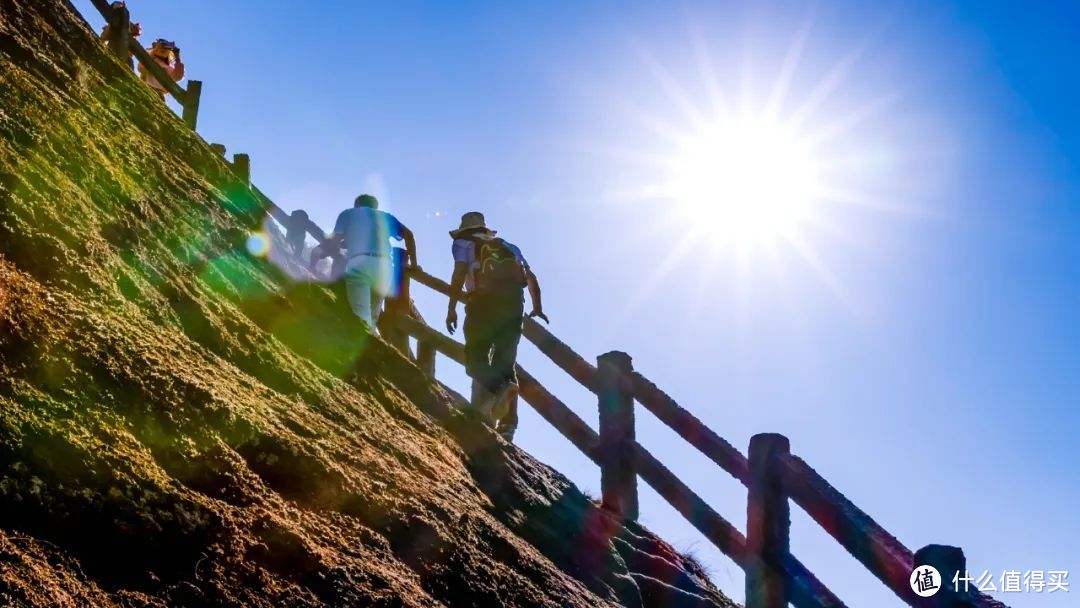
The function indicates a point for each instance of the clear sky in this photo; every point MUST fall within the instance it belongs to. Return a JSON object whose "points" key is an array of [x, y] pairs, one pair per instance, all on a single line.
{"points": [[912, 324]]}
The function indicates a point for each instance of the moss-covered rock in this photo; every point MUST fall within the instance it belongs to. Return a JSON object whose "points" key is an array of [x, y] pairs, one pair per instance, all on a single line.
{"points": [[183, 425]]}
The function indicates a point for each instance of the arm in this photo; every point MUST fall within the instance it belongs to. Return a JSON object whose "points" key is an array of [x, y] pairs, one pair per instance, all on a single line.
{"points": [[457, 281], [534, 295], [410, 246], [332, 243], [177, 71]]}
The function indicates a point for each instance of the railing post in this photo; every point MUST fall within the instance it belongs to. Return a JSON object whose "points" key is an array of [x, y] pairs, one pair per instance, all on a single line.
{"points": [[119, 20], [768, 524], [425, 357], [191, 103], [618, 474], [951, 565], [242, 167]]}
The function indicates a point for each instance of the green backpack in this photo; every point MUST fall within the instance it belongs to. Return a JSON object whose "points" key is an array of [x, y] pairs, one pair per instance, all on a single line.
{"points": [[497, 268]]}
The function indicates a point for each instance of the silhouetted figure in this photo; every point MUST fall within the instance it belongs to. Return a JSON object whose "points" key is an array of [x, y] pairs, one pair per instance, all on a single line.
{"points": [[495, 275], [296, 232], [366, 232]]}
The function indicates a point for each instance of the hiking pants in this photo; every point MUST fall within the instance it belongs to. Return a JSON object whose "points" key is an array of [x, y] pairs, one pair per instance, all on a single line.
{"points": [[492, 333], [365, 284]]}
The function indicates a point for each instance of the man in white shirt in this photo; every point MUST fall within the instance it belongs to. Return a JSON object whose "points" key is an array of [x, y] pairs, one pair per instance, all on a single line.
{"points": [[365, 233]]}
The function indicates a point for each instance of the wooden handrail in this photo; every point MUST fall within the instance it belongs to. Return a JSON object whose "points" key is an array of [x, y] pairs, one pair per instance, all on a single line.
{"points": [[807, 592], [562, 355], [158, 72], [877, 550], [283, 218], [694, 431], [144, 58], [547, 405], [880, 552], [725, 455]]}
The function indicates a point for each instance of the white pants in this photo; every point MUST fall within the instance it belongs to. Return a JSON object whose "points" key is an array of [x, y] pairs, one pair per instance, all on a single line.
{"points": [[366, 279]]}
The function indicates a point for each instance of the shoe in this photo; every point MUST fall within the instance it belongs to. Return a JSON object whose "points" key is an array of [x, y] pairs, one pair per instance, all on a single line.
{"points": [[500, 404]]}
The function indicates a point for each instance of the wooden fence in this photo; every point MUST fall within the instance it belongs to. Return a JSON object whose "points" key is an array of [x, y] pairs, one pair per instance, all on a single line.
{"points": [[773, 476], [124, 45]]}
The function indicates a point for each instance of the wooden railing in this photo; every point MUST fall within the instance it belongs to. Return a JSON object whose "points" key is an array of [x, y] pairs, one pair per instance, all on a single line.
{"points": [[123, 45], [773, 477]]}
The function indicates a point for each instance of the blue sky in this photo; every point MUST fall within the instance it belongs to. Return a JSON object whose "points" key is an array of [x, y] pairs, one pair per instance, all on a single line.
{"points": [[919, 347]]}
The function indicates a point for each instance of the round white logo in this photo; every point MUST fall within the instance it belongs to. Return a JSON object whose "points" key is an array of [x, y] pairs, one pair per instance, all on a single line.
{"points": [[925, 581]]}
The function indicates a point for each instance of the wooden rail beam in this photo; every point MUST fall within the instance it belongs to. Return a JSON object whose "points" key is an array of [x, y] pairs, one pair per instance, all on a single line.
{"points": [[272, 209], [158, 72], [806, 592], [560, 354], [429, 281], [877, 550], [144, 57], [547, 405], [690, 428]]}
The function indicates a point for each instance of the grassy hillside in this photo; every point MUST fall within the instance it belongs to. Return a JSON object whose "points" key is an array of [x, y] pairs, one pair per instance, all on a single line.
{"points": [[182, 425]]}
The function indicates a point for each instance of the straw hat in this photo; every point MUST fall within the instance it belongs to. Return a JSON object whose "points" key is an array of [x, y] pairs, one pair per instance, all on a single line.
{"points": [[472, 222]]}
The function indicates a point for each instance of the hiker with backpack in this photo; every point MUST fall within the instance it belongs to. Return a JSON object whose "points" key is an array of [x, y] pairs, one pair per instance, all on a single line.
{"points": [[167, 55], [365, 233], [494, 274]]}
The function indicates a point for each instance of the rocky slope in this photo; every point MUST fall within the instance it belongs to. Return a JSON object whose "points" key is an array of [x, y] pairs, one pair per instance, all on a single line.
{"points": [[182, 425]]}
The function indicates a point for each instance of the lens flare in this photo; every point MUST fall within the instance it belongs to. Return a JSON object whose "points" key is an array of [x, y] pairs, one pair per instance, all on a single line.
{"points": [[258, 244]]}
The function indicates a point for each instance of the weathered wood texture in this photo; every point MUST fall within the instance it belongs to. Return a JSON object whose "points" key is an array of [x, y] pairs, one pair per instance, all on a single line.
{"points": [[877, 550], [768, 524], [547, 405], [241, 166], [807, 591], [144, 57], [425, 357], [694, 431], [192, 99], [560, 354], [618, 478], [119, 38]]}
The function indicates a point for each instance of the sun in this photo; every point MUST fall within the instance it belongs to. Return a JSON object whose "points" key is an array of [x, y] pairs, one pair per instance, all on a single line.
{"points": [[745, 180]]}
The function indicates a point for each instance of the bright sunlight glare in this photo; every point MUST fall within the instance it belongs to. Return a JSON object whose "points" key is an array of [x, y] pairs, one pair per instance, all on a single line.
{"points": [[745, 180]]}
